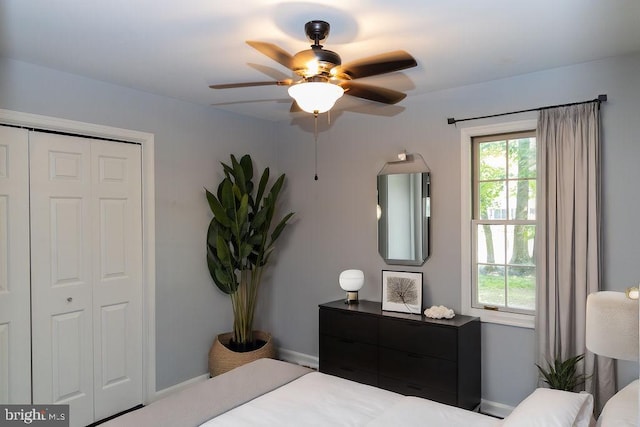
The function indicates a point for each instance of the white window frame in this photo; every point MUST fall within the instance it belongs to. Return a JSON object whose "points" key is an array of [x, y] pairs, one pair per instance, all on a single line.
{"points": [[466, 235]]}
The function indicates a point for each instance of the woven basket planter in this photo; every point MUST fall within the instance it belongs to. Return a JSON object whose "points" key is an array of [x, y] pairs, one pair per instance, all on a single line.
{"points": [[221, 359]]}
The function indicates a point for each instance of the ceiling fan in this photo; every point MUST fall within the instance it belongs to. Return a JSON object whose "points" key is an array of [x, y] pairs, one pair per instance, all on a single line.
{"points": [[321, 79]]}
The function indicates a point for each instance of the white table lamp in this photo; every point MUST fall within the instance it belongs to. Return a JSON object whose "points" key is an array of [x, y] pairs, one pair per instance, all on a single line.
{"points": [[351, 282], [612, 325]]}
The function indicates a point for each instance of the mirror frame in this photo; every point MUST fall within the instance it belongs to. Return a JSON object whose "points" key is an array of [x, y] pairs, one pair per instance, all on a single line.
{"points": [[406, 167]]}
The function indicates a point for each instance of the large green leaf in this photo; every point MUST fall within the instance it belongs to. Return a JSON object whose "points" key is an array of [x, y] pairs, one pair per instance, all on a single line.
{"points": [[280, 227], [247, 167], [238, 194], [219, 275], [264, 179], [259, 219], [245, 250], [277, 186], [212, 233], [238, 174], [223, 251], [218, 210], [229, 285], [226, 198], [243, 211], [228, 170], [256, 239], [239, 224]]}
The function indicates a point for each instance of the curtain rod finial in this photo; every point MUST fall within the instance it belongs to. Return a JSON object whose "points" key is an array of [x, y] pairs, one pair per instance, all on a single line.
{"points": [[451, 121], [602, 98]]}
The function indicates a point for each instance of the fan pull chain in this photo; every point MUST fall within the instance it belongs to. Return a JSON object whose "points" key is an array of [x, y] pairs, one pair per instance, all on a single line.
{"points": [[315, 138]]}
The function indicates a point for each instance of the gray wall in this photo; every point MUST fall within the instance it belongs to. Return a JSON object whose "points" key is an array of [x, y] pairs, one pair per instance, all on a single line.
{"points": [[336, 221], [190, 141], [335, 225]]}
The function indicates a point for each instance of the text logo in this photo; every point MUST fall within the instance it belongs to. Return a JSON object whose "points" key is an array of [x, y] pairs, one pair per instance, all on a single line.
{"points": [[36, 415]]}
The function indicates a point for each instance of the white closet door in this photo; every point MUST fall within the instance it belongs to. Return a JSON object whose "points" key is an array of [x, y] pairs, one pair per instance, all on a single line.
{"points": [[15, 335], [60, 168], [86, 234], [117, 276]]}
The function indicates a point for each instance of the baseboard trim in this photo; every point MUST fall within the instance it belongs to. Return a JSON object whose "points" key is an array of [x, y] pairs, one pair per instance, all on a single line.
{"points": [[495, 409], [177, 387], [298, 358], [283, 354]]}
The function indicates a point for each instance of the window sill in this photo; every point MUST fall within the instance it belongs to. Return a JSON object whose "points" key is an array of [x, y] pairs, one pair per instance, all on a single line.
{"points": [[502, 318]]}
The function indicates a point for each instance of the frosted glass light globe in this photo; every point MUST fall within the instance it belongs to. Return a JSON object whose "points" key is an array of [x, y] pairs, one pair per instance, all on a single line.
{"points": [[351, 281], [315, 97]]}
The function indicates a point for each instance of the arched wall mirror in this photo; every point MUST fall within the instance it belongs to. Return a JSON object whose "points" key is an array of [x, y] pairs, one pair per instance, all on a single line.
{"points": [[404, 211]]}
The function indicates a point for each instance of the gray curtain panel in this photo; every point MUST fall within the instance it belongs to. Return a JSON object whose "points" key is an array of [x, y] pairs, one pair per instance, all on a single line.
{"points": [[569, 246]]}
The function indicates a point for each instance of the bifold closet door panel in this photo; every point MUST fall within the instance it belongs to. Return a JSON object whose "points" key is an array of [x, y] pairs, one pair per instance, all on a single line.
{"points": [[86, 234], [117, 276], [61, 280], [15, 321]]}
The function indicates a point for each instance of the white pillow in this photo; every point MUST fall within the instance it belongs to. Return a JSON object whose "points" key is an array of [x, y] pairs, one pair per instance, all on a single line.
{"points": [[622, 409], [550, 408]]}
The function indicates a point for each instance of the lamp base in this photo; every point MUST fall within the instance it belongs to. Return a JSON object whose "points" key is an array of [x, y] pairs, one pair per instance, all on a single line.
{"points": [[352, 298]]}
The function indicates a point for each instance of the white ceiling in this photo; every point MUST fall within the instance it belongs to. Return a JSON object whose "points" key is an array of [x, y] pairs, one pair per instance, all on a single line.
{"points": [[177, 48]]}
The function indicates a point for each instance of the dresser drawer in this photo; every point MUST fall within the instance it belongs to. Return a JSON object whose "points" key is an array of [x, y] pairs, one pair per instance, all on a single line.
{"points": [[418, 369], [409, 388], [352, 373], [351, 326], [349, 353], [419, 338], [407, 354]]}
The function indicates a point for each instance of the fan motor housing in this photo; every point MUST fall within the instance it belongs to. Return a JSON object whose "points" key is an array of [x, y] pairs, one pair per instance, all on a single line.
{"points": [[315, 61]]}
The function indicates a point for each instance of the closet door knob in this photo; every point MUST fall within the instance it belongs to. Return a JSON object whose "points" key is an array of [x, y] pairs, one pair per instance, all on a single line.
{"points": [[69, 299]]}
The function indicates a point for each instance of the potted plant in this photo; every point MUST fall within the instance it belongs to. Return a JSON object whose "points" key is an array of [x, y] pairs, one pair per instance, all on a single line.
{"points": [[563, 374], [240, 242]]}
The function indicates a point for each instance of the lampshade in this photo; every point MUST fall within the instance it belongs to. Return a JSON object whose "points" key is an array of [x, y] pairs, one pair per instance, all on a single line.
{"points": [[612, 325], [315, 97], [351, 282], [633, 292]]}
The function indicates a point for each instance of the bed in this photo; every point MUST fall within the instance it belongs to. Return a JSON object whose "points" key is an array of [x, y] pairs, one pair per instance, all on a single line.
{"points": [[274, 393]]}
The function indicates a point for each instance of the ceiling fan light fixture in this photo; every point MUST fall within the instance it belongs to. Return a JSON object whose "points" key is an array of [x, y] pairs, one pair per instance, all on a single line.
{"points": [[316, 97]]}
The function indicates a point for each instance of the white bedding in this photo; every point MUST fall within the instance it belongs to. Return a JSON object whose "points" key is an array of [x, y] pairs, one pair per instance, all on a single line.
{"points": [[318, 399], [274, 393], [622, 410]]}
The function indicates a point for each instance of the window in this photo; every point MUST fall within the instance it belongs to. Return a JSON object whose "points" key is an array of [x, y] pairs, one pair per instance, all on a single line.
{"points": [[499, 185], [503, 222]]}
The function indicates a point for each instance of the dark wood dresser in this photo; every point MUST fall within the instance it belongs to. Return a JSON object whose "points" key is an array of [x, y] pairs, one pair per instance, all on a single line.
{"points": [[408, 354]]}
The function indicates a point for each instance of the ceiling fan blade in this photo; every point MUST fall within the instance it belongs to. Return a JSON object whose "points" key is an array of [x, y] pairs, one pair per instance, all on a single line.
{"points": [[379, 64], [287, 82], [274, 52], [372, 93]]}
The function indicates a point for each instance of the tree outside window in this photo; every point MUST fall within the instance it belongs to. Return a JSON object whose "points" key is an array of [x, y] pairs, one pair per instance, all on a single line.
{"points": [[504, 222]]}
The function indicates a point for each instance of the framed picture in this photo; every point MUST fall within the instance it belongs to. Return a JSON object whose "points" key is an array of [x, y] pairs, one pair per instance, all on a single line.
{"points": [[402, 291]]}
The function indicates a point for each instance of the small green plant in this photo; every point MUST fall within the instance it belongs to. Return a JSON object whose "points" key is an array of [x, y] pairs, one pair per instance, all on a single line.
{"points": [[563, 374]]}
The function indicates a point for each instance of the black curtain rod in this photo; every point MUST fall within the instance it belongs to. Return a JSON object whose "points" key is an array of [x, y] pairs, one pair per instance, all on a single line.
{"points": [[599, 99]]}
